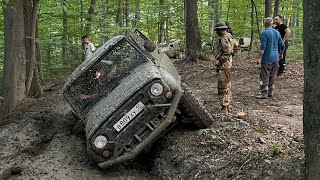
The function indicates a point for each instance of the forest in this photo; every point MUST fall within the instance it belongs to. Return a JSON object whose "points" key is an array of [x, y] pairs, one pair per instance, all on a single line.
{"points": [[41, 45], [60, 24]]}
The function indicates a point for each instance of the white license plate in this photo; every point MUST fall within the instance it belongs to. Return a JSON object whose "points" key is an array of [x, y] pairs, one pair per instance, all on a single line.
{"points": [[129, 116]]}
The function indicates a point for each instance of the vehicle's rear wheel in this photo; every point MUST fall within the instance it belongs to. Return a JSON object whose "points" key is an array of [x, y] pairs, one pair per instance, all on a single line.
{"points": [[192, 111]]}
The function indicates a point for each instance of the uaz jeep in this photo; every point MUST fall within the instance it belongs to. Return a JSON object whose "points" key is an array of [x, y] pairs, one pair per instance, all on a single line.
{"points": [[128, 93]]}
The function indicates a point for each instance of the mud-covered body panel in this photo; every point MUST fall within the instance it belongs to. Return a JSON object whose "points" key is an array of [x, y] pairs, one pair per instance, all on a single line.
{"points": [[118, 107], [128, 86]]}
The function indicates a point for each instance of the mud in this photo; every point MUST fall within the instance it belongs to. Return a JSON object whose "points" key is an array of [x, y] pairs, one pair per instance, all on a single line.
{"points": [[43, 140]]}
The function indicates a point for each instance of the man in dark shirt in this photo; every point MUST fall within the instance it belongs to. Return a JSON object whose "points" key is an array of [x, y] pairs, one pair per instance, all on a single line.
{"points": [[285, 33]]}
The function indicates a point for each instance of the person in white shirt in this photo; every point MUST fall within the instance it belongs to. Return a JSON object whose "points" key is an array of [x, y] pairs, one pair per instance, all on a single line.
{"points": [[89, 47]]}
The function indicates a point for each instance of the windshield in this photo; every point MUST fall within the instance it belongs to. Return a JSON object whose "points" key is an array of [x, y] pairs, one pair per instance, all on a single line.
{"points": [[103, 76]]}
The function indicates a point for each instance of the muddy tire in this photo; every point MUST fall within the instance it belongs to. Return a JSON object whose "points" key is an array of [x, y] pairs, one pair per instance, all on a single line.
{"points": [[192, 111]]}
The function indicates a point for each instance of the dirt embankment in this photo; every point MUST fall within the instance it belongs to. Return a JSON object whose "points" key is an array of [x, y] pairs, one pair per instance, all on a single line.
{"points": [[41, 140]]}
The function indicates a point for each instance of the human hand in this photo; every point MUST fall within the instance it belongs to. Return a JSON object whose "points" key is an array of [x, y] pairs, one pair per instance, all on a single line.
{"points": [[217, 62], [281, 56], [213, 62], [258, 60]]}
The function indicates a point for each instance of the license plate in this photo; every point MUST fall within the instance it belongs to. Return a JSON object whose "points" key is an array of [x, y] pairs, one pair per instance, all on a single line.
{"points": [[129, 116]]}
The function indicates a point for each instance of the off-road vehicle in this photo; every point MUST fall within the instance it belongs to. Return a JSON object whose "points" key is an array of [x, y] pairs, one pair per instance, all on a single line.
{"points": [[173, 49], [128, 94]]}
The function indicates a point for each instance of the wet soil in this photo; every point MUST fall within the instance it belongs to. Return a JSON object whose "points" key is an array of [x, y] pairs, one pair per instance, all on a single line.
{"points": [[41, 139]]}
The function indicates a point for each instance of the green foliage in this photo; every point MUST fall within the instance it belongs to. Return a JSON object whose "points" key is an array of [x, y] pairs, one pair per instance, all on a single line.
{"points": [[150, 13], [276, 148], [212, 133]]}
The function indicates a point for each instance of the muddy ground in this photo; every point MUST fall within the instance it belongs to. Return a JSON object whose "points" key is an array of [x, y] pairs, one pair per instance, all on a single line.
{"points": [[42, 140]]}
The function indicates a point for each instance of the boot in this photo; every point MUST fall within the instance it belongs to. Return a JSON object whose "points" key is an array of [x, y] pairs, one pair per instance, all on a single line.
{"points": [[224, 110], [270, 90], [264, 92]]}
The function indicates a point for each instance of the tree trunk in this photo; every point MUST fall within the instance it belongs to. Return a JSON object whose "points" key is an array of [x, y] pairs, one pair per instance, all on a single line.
{"points": [[193, 39], [119, 18], [81, 16], [64, 31], [38, 53], [104, 22], [161, 22], [276, 8], [136, 13], [127, 16], [90, 16], [268, 8], [257, 17], [216, 11], [36, 89], [31, 15], [14, 71], [166, 36], [214, 17], [228, 12], [311, 113], [252, 23]]}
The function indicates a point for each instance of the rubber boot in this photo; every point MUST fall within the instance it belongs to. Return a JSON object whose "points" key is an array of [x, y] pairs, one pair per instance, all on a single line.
{"points": [[270, 90], [224, 110], [264, 92]]}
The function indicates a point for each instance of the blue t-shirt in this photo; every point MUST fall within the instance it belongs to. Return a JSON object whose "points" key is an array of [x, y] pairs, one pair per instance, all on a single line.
{"points": [[270, 41]]}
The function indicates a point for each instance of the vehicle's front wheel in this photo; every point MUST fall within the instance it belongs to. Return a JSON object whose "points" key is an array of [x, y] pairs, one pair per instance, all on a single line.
{"points": [[192, 111]]}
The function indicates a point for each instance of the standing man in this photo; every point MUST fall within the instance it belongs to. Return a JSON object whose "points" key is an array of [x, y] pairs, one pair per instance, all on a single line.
{"points": [[269, 57], [285, 33], [89, 48], [224, 63]]}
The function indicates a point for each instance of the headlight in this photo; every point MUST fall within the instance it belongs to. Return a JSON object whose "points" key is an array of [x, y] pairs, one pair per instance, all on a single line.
{"points": [[156, 89], [100, 141]]}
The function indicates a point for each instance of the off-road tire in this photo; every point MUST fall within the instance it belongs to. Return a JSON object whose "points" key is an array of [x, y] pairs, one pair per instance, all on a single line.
{"points": [[192, 111]]}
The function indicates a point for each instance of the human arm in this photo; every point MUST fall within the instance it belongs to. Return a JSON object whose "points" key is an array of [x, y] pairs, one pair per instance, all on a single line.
{"points": [[260, 56], [262, 47], [93, 48], [87, 96], [286, 36], [226, 48], [281, 45]]}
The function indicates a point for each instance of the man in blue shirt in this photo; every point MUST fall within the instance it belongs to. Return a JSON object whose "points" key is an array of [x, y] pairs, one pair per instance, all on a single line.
{"points": [[269, 58]]}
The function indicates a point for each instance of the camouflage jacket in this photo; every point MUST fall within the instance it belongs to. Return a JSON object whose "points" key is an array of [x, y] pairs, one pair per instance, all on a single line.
{"points": [[225, 48]]}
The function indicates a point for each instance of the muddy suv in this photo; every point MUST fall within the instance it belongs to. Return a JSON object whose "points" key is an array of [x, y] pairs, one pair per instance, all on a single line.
{"points": [[128, 94], [173, 49]]}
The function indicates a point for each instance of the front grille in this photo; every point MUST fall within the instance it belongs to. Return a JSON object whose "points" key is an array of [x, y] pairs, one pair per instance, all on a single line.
{"points": [[139, 127]]}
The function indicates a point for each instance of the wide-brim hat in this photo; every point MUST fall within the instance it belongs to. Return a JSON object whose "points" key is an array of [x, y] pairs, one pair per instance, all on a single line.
{"points": [[220, 25]]}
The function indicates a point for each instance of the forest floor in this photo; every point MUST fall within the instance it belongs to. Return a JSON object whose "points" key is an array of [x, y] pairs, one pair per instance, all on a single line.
{"points": [[42, 140]]}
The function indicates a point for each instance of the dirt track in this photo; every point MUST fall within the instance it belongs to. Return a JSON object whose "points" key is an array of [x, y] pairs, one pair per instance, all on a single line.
{"points": [[41, 140]]}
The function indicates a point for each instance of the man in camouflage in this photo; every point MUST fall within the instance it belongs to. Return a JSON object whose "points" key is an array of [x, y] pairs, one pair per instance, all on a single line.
{"points": [[224, 63]]}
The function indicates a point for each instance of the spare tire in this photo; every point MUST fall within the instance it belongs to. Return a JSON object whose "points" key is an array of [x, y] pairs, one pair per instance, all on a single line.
{"points": [[192, 111]]}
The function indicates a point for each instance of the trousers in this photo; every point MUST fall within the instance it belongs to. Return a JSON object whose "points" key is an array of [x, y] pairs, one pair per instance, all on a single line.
{"points": [[224, 85]]}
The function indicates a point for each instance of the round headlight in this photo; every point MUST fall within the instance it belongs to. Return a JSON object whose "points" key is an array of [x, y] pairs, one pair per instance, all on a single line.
{"points": [[100, 141], [156, 89]]}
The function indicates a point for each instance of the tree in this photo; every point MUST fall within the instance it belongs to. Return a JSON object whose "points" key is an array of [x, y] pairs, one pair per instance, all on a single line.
{"points": [[311, 113], [21, 75], [65, 30], [14, 88], [104, 22], [193, 39], [33, 85], [90, 16], [119, 17], [136, 13], [161, 22], [276, 8], [268, 8]]}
